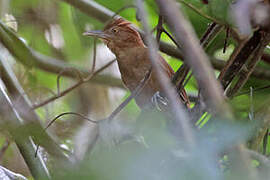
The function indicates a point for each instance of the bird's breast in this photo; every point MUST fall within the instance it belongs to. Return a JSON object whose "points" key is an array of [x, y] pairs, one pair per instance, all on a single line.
{"points": [[134, 64], [133, 68]]}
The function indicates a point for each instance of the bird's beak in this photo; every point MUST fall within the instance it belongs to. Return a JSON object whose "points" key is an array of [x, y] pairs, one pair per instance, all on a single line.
{"points": [[98, 34]]}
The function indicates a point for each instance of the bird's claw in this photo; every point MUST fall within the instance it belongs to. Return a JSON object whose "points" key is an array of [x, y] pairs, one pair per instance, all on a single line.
{"points": [[158, 100]]}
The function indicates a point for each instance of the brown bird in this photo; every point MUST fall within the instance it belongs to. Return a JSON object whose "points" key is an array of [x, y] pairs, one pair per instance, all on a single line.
{"points": [[133, 59]]}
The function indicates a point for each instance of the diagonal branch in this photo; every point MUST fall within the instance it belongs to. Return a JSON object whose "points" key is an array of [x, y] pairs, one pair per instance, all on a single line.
{"points": [[234, 66], [246, 71]]}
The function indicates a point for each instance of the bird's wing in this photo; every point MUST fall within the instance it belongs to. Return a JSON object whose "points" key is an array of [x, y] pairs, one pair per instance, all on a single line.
{"points": [[168, 70], [166, 67]]}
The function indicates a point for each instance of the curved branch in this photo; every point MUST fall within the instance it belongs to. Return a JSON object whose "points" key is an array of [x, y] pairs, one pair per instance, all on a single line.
{"points": [[69, 113]]}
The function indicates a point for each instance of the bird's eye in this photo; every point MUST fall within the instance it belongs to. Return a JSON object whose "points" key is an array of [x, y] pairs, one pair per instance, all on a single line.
{"points": [[114, 30]]}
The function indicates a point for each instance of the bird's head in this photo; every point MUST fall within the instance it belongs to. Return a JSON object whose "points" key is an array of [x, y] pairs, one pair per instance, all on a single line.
{"points": [[118, 33]]}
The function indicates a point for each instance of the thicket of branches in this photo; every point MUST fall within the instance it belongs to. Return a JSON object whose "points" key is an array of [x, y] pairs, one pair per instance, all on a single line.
{"points": [[64, 113]]}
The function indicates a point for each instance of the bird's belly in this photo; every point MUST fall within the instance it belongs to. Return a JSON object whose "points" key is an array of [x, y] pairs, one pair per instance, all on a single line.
{"points": [[133, 70], [149, 89], [132, 79]]}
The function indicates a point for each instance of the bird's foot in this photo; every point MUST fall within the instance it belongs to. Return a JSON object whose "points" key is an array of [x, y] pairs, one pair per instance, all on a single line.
{"points": [[159, 101]]}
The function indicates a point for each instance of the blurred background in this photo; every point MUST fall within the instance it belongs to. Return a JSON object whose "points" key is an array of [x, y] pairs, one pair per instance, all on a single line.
{"points": [[53, 30]]}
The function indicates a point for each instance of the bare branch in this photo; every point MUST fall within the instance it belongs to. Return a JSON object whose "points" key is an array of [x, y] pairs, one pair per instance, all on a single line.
{"points": [[239, 58], [249, 68], [60, 75], [69, 113], [226, 39], [208, 31]]}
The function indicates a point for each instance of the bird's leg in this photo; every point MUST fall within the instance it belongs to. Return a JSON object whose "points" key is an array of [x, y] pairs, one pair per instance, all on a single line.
{"points": [[158, 100]]}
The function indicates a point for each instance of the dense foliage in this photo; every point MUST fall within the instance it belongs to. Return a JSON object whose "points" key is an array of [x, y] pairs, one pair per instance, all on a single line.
{"points": [[46, 73]]}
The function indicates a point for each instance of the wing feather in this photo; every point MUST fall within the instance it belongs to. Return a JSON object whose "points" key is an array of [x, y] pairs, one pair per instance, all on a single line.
{"points": [[169, 71]]}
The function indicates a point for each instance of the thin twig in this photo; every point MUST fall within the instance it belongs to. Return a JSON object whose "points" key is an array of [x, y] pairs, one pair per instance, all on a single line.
{"points": [[226, 40], [171, 37], [4, 148], [180, 75], [31, 90], [94, 56], [188, 78], [69, 113], [202, 120], [63, 114], [159, 28], [134, 93], [254, 90], [114, 113], [211, 34], [60, 75], [200, 12], [122, 9], [61, 94], [208, 31]]}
